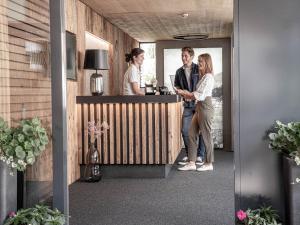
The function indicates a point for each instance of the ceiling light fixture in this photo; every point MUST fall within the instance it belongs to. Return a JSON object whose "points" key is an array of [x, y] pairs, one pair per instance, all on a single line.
{"points": [[187, 37], [184, 15]]}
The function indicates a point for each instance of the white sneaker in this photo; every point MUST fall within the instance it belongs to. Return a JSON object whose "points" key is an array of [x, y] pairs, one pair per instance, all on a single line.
{"points": [[188, 166], [184, 161], [199, 161], [205, 167]]}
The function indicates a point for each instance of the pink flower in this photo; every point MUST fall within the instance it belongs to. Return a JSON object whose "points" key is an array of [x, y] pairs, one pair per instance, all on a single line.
{"points": [[11, 214], [241, 215]]}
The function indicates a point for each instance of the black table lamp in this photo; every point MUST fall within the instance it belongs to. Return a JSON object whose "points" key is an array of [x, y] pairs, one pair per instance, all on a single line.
{"points": [[96, 59]]}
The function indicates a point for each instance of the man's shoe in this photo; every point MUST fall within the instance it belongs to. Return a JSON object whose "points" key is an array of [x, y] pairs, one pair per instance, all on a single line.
{"points": [[188, 166], [184, 161], [199, 161], [206, 167]]}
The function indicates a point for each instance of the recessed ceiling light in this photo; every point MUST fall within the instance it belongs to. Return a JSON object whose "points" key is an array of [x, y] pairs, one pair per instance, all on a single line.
{"points": [[184, 15]]}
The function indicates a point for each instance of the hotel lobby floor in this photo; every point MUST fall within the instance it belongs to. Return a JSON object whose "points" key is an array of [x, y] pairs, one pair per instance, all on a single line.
{"points": [[183, 198]]}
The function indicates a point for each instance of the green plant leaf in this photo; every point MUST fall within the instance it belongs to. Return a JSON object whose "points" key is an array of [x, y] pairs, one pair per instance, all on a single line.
{"points": [[36, 121], [30, 159], [27, 145], [21, 138], [20, 153], [27, 129], [9, 151]]}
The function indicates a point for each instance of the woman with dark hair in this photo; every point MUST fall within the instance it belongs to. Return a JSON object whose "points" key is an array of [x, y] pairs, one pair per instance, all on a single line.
{"points": [[132, 77], [203, 118]]}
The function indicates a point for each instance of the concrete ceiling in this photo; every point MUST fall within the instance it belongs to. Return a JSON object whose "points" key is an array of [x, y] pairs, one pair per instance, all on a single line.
{"points": [[152, 20]]}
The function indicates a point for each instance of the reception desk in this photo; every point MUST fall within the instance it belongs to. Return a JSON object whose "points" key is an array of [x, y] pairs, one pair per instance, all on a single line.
{"points": [[144, 137]]}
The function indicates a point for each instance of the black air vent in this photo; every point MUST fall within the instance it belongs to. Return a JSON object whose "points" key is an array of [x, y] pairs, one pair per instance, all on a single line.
{"points": [[190, 36]]}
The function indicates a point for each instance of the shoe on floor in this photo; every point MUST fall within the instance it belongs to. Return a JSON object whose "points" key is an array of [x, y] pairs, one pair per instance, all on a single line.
{"points": [[205, 167], [188, 166], [199, 161], [183, 161]]}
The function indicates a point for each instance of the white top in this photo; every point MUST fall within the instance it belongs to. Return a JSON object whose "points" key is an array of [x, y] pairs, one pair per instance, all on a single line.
{"points": [[132, 75], [204, 87], [187, 72]]}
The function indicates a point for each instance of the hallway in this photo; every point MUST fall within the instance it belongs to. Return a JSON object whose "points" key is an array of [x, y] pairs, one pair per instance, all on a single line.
{"points": [[184, 198]]}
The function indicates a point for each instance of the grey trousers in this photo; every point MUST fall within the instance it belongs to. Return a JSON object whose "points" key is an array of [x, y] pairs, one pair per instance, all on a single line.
{"points": [[202, 123]]}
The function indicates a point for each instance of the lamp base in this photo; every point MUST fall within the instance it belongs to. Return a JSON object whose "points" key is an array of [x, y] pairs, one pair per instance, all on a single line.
{"points": [[97, 93]]}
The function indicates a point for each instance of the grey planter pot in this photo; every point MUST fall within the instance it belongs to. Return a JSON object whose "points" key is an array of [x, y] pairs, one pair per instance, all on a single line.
{"points": [[8, 192], [292, 191]]}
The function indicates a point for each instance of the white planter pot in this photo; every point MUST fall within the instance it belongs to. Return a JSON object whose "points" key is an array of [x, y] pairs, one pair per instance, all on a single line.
{"points": [[8, 191]]}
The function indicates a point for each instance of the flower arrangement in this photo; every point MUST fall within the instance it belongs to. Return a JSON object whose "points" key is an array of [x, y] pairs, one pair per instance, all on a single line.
{"points": [[95, 129], [19, 146], [39, 214], [285, 138], [260, 216]]}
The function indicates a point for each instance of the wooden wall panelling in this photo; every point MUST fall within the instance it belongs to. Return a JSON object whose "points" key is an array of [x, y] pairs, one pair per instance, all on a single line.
{"points": [[97, 24], [71, 15], [79, 128], [81, 18], [130, 134], [108, 35], [105, 135], [72, 136], [88, 19], [72, 86], [85, 136], [143, 133], [140, 133], [4, 65], [118, 134], [157, 133], [150, 133], [80, 46], [98, 120], [124, 133], [163, 133], [137, 136], [122, 64], [29, 90], [171, 117], [115, 89], [14, 11], [111, 123]]}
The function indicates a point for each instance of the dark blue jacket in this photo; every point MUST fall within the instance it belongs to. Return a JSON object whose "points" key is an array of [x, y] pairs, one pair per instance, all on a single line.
{"points": [[181, 82]]}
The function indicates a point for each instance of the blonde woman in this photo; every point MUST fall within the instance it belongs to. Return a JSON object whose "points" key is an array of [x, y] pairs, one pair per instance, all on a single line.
{"points": [[203, 118]]}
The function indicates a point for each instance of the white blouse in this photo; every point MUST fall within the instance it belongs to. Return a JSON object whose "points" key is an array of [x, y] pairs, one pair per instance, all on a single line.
{"points": [[133, 74], [204, 87]]}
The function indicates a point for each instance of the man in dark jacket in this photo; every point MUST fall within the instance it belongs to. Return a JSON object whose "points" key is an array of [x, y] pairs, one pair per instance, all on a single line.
{"points": [[186, 78]]}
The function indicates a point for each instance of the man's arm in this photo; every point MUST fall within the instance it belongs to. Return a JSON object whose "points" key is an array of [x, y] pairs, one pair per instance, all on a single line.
{"points": [[177, 83]]}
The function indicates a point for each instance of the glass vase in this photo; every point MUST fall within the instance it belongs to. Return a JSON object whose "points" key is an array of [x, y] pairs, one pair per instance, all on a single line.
{"points": [[92, 172]]}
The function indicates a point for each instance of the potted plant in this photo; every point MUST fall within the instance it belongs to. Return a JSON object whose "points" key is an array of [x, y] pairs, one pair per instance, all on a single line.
{"points": [[260, 216], [285, 139], [19, 147], [37, 215]]}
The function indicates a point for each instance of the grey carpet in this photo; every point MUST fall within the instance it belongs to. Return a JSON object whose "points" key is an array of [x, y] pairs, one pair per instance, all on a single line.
{"points": [[184, 198]]}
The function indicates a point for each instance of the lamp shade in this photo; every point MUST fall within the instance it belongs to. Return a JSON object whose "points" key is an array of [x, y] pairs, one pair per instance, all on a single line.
{"points": [[96, 59]]}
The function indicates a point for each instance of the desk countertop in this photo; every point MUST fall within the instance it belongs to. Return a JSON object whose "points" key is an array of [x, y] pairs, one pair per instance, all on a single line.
{"points": [[129, 99]]}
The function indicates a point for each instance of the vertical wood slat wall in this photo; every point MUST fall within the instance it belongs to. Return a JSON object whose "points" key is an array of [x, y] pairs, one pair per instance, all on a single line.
{"points": [[140, 133], [81, 18]]}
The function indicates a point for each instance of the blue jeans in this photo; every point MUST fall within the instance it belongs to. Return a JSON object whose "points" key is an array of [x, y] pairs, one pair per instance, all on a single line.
{"points": [[186, 123]]}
